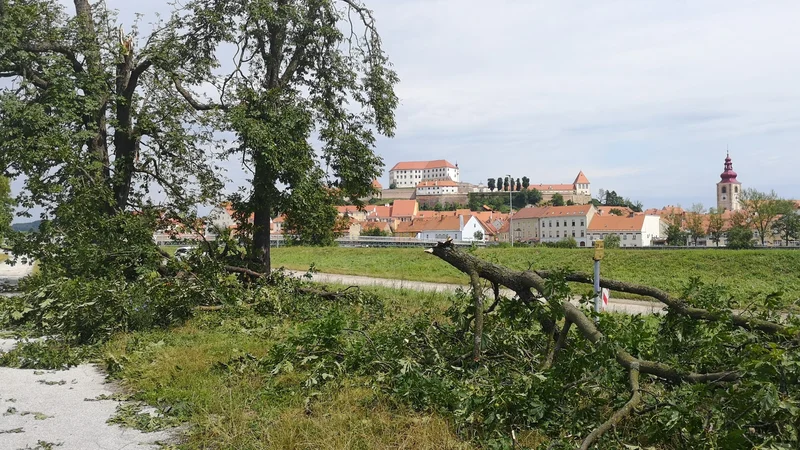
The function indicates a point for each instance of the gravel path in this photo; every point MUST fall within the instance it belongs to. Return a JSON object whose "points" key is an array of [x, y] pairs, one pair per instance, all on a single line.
{"points": [[614, 305], [64, 409]]}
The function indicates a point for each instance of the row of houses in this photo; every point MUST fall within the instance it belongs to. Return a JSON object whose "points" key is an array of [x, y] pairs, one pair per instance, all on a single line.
{"points": [[584, 223]]}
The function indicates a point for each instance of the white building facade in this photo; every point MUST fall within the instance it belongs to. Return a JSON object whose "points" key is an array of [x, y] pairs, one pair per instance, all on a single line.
{"points": [[410, 173], [437, 187], [562, 222], [636, 231]]}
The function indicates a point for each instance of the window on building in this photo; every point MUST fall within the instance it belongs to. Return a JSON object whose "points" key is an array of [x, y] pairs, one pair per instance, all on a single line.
{"points": [[573, 233], [736, 189], [625, 237], [558, 235], [581, 233], [581, 223], [573, 223], [724, 190]]}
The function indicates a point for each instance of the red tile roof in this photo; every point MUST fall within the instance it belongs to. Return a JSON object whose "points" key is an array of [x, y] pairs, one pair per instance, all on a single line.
{"points": [[376, 184], [616, 223], [530, 213], [574, 210], [405, 208], [581, 178], [422, 165]]}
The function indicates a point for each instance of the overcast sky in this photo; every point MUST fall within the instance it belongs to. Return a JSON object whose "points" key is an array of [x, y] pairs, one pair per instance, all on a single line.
{"points": [[643, 96]]}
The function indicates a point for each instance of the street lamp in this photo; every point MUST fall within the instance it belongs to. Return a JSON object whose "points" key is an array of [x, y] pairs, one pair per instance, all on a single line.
{"points": [[510, 209]]}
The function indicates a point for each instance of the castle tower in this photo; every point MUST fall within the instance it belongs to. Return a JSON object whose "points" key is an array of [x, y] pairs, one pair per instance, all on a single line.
{"points": [[581, 184], [729, 189]]}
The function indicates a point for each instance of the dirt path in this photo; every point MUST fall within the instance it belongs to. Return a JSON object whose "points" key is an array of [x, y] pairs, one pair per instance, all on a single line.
{"points": [[64, 410]]}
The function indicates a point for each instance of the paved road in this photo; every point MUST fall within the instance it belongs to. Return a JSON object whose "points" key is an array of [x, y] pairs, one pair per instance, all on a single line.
{"points": [[614, 305]]}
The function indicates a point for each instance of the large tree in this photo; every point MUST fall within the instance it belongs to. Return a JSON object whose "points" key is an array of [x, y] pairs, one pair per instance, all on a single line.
{"points": [[716, 225], [304, 71], [787, 225], [6, 207], [88, 119], [490, 184], [695, 225], [763, 208]]}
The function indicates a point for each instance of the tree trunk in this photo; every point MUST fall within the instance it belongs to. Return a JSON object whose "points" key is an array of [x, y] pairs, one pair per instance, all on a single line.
{"points": [[263, 180]]}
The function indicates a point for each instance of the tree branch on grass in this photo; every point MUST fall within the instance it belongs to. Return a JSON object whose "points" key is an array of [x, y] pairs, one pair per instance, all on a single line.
{"points": [[678, 306], [625, 411]]}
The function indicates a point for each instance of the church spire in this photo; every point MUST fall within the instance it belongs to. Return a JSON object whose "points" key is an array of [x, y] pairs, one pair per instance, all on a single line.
{"points": [[729, 176]]}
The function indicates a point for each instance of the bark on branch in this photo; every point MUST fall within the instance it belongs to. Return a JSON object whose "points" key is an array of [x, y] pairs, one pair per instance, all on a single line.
{"points": [[626, 410], [678, 306], [523, 282]]}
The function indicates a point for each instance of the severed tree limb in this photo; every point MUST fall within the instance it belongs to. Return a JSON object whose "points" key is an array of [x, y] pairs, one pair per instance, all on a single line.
{"points": [[523, 282], [477, 297], [626, 410], [678, 306], [589, 331], [561, 341]]}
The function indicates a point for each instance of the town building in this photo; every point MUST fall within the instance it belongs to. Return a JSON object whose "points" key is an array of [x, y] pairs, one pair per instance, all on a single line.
{"points": [[579, 192], [729, 189], [633, 231], [526, 224], [562, 222], [409, 174], [437, 187]]}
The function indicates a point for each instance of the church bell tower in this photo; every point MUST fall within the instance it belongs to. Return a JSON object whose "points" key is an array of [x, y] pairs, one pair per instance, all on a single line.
{"points": [[729, 189]]}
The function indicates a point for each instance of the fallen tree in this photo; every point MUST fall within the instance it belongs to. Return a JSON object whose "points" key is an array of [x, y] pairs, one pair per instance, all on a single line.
{"points": [[557, 316]]}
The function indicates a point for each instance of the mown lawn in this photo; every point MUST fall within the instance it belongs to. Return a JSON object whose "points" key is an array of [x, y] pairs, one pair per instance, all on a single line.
{"points": [[745, 272]]}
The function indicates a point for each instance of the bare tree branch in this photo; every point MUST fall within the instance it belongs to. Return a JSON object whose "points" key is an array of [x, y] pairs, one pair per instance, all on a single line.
{"points": [[677, 305], [191, 100], [626, 410]]}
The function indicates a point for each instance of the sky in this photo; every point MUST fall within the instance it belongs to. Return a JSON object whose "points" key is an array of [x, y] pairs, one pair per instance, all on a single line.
{"points": [[644, 96]]}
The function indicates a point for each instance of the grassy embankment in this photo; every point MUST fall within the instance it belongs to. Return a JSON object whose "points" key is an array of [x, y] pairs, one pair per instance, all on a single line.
{"points": [[744, 272], [248, 409]]}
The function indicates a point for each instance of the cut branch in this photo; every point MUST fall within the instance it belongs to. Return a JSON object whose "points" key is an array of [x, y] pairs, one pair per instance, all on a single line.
{"points": [[625, 411], [523, 282], [678, 306]]}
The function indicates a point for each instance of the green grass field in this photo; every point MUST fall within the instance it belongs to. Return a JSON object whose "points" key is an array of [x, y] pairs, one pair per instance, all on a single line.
{"points": [[745, 272]]}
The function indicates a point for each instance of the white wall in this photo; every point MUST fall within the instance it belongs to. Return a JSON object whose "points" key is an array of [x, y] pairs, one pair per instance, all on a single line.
{"points": [[470, 227]]}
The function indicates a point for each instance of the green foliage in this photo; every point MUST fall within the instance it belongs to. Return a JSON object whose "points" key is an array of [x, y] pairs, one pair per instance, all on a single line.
{"points": [[526, 182], [52, 354], [612, 241], [616, 212], [306, 70], [611, 198], [87, 310], [374, 231], [739, 237], [490, 184], [6, 207], [557, 199], [787, 226], [499, 200], [311, 216], [393, 185], [567, 242], [420, 357]]}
